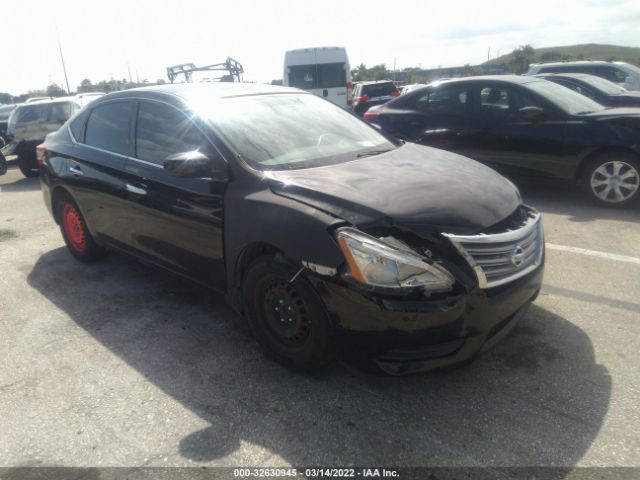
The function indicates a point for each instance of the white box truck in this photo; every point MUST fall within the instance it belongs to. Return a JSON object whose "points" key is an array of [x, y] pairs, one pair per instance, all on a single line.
{"points": [[324, 71]]}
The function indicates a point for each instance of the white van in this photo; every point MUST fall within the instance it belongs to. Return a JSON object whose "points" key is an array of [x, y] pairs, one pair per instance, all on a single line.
{"points": [[324, 71]]}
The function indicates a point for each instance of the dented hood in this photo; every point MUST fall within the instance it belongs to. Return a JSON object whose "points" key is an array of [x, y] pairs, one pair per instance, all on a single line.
{"points": [[413, 187]]}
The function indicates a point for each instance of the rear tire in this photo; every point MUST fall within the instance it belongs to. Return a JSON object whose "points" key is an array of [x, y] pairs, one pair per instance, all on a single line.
{"points": [[75, 232], [612, 179], [27, 163], [3, 165], [288, 318]]}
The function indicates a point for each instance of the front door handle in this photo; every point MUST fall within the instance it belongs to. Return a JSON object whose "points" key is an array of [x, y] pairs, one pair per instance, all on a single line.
{"points": [[76, 171], [135, 190]]}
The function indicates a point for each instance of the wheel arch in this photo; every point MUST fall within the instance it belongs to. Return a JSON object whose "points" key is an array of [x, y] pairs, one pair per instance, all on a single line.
{"points": [[601, 151], [56, 194]]}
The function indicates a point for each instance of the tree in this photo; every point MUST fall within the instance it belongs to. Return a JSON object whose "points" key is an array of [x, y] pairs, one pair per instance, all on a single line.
{"points": [[86, 86], [521, 58], [5, 98], [550, 56], [55, 90]]}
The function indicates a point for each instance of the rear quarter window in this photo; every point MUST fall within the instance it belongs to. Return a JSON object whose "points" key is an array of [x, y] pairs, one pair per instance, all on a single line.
{"points": [[108, 127]]}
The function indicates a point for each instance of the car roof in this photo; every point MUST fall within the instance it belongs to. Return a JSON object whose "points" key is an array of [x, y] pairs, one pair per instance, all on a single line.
{"points": [[577, 76], [47, 101], [519, 79], [373, 82], [214, 90], [575, 62]]}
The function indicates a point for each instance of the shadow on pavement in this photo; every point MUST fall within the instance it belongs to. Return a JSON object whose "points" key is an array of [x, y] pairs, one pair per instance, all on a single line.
{"points": [[22, 185], [567, 199], [537, 398]]}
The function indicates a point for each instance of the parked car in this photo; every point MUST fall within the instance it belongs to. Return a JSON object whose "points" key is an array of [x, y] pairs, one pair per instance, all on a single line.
{"points": [[596, 88], [327, 235], [30, 123], [621, 73], [5, 111], [369, 94], [525, 124], [323, 71]]}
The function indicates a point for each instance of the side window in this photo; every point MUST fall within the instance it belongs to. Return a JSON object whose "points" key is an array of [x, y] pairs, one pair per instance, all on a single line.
{"points": [[612, 74], [449, 99], [108, 127], [499, 101], [31, 113], [162, 131], [60, 112]]}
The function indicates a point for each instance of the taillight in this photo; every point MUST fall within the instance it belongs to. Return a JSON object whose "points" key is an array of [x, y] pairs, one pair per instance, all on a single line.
{"points": [[349, 93], [369, 116], [40, 153], [363, 99], [395, 94]]}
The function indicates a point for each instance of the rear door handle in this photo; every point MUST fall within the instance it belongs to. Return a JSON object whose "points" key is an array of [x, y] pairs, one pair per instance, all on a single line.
{"points": [[76, 171], [135, 190]]}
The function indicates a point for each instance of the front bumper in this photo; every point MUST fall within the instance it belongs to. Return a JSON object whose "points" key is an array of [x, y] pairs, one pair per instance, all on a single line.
{"points": [[406, 336]]}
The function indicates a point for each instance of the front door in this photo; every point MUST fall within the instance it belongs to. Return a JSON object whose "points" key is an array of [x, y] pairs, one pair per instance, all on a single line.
{"points": [[178, 221], [500, 136]]}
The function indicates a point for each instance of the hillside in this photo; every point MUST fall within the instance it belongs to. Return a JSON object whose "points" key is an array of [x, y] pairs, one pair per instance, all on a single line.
{"points": [[591, 51]]}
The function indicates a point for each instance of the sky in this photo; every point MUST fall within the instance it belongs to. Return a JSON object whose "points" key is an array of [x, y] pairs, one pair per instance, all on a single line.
{"points": [[106, 39]]}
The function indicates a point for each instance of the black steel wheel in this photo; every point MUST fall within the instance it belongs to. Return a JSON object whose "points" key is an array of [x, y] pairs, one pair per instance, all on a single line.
{"points": [[288, 318]]}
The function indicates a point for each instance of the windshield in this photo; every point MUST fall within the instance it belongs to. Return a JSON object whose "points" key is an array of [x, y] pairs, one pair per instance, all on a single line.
{"points": [[603, 85], [571, 102], [282, 131]]}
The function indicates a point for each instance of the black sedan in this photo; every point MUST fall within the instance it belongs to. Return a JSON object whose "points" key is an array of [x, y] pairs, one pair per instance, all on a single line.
{"points": [[596, 88], [328, 236], [525, 124]]}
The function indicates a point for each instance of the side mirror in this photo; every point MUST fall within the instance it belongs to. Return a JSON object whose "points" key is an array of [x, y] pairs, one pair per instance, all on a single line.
{"points": [[195, 164], [533, 114]]}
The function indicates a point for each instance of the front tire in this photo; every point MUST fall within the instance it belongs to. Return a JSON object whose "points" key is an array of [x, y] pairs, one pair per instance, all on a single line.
{"points": [[75, 232], [3, 164], [613, 179], [288, 318], [27, 163]]}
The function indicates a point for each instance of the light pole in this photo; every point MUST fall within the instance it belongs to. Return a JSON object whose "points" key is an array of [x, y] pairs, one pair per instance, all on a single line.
{"points": [[64, 68]]}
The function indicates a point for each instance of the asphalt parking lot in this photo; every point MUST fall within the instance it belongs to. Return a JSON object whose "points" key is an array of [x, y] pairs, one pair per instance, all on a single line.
{"points": [[116, 364]]}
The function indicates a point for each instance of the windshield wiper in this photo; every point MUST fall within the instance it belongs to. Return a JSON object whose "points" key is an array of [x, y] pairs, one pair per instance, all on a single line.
{"points": [[372, 152]]}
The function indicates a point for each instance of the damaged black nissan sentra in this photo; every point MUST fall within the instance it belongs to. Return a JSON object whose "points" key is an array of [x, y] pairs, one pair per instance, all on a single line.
{"points": [[328, 236]]}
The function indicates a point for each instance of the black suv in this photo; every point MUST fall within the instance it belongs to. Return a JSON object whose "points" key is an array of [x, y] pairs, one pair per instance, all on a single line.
{"points": [[368, 94], [328, 236], [29, 124]]}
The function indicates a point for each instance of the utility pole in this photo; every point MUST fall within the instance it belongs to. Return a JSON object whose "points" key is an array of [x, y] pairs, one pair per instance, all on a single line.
{"points": [[489, 54], [129, 69], [64, 68]]}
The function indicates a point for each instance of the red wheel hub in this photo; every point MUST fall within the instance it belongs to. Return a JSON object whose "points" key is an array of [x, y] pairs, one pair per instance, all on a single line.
{"points": [[73, 227]]}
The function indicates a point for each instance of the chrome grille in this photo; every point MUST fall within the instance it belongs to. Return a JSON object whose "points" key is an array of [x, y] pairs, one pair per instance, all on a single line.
{"points": [[502, 257]]}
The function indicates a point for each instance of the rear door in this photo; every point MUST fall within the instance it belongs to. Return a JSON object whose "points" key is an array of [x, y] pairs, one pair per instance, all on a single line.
{"points": [[178, 221], [95, 173], [436, 117], [332, 82]]}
